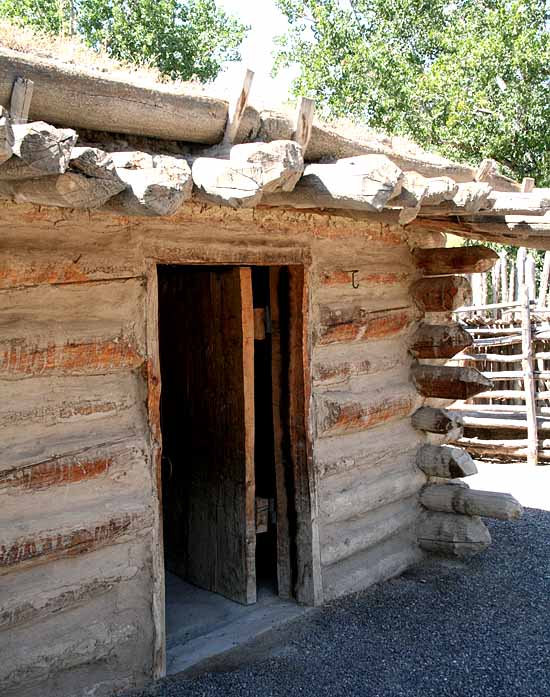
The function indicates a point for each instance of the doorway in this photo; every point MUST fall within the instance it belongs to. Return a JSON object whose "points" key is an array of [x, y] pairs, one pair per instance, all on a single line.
{"points": [[230, 431]]}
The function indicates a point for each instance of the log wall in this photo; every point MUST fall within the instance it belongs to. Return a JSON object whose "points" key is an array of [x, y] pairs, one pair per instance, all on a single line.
{"points": [[79, 551]]}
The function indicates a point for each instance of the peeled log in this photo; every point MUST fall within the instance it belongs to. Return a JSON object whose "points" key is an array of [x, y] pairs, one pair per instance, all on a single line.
{"points": [[158, 190], [439, 340], [452, 534], [235, 184], [450, 498], [281, 162], [445, 461], [442, 294], [449, 382], [439, 261], [96, 163], [436, 420], [417, 190], [6, 136], [69, 190], [364, 183], [38, 150]]}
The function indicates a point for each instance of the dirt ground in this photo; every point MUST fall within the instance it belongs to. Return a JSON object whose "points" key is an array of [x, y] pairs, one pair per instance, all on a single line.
{"points": [[445, 628]]}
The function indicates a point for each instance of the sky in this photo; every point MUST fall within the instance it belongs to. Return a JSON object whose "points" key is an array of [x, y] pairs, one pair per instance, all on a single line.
{"points": [[267, 22]]}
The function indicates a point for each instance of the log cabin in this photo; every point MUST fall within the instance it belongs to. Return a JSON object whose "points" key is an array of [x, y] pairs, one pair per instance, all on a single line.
{"points": [[223, 335]]}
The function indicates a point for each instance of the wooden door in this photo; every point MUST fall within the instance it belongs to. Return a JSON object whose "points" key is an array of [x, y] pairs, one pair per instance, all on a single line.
{"points": [[212, 430]]}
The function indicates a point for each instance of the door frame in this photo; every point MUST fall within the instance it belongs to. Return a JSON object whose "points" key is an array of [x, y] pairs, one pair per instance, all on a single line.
{"points": [[308, 586]]}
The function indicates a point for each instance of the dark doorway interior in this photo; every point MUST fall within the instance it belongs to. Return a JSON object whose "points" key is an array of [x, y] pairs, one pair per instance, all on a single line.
{"points": [[227, 480]]}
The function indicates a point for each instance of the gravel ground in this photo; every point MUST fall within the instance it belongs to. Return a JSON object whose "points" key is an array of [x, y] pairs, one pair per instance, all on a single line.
{"points": [[444, 628]]}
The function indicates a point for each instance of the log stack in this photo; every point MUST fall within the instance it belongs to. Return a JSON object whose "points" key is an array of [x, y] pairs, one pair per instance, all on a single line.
{"points": [[450, 523]]}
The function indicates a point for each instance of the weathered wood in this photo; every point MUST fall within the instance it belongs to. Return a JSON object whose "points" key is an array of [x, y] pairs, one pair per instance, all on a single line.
{"points": [[452, 534], [336, 417], [6, 136], [417, 191], [445, 461], [304, 121], [448, 382], [515, 203], [452, 498], [529, 386], [492, 357], [503, 421], [364, 183], [439, 261], [281, 163], [435, 420], [96, 163], [439, 340], [527, 184], [442, 294], [510, 448], [237, 108], [38, 150], [160, 190], [356, 323], [68, 190], [343, 539], [82, 537], [20, 102], [485, 170], [544, 279]]}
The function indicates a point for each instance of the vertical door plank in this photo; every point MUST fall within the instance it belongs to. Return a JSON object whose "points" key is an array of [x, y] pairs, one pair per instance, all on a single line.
{"points": [[284, 574]]}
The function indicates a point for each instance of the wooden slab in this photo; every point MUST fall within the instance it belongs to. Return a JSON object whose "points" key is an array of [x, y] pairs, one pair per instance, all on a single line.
{"points": [[455, 260]]}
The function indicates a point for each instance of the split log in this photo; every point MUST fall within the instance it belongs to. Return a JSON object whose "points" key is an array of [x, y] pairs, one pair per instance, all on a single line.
{"points": [[96, 163], [442, 294], [440, 261], [159, 190], [363, 183], [417, 190], [451, 498], [38, 150], [281, 163], [69, 190], [435, 420], [6, 136], [449, 533], [445, 461], [470, 198], [448, 382], [534, 203], [439, 340], [237, 108]]}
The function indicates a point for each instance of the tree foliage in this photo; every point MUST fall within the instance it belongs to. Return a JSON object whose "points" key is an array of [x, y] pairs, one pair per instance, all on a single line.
{"points": [[182, 38], [469, 78]]}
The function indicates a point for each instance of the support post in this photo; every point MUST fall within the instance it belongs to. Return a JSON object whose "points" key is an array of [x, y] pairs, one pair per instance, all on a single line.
{"points": [[237, 109], [528, 378], [304, 122], [20, 103]]}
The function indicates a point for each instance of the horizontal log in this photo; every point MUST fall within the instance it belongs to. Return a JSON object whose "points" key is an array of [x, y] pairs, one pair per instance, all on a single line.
{"points": [[6, 135], [38, 150], [337, 418], [364, 183], [355, 323], [485, 357], [514, 374], [436, 420], [451, 498], [510, 449], [448, 382], [445, 461], [281, 163], [69, 190], [502, 420], [50, 545], [343, 539], [452, 534], [438, 261], [439, 340], [443, 294], [536, 202], [153, 191]]}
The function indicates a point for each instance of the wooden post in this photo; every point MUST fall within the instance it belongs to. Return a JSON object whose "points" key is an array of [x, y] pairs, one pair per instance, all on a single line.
{"points": [[545, 277], [528, 184], [528, 378], [304, 122], [237, 109], [20, 102]]}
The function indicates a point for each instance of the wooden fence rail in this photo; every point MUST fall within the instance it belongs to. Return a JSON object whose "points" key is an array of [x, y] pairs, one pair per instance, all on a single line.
{"points": [[509, 320]]}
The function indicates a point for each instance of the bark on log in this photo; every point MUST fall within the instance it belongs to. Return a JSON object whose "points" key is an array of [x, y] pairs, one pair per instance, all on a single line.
{"points": [[456, 535], [448, 382], [357, 183], [6, 136], [159, 190], [435, 420], [439, 261], [445, 461], [450, 498], [443, 294], [38, 150], [69, 190], [439, 340]]}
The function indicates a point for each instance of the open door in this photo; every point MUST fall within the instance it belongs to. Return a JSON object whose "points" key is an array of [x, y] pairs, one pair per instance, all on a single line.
{"points": [[207, 360]]}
